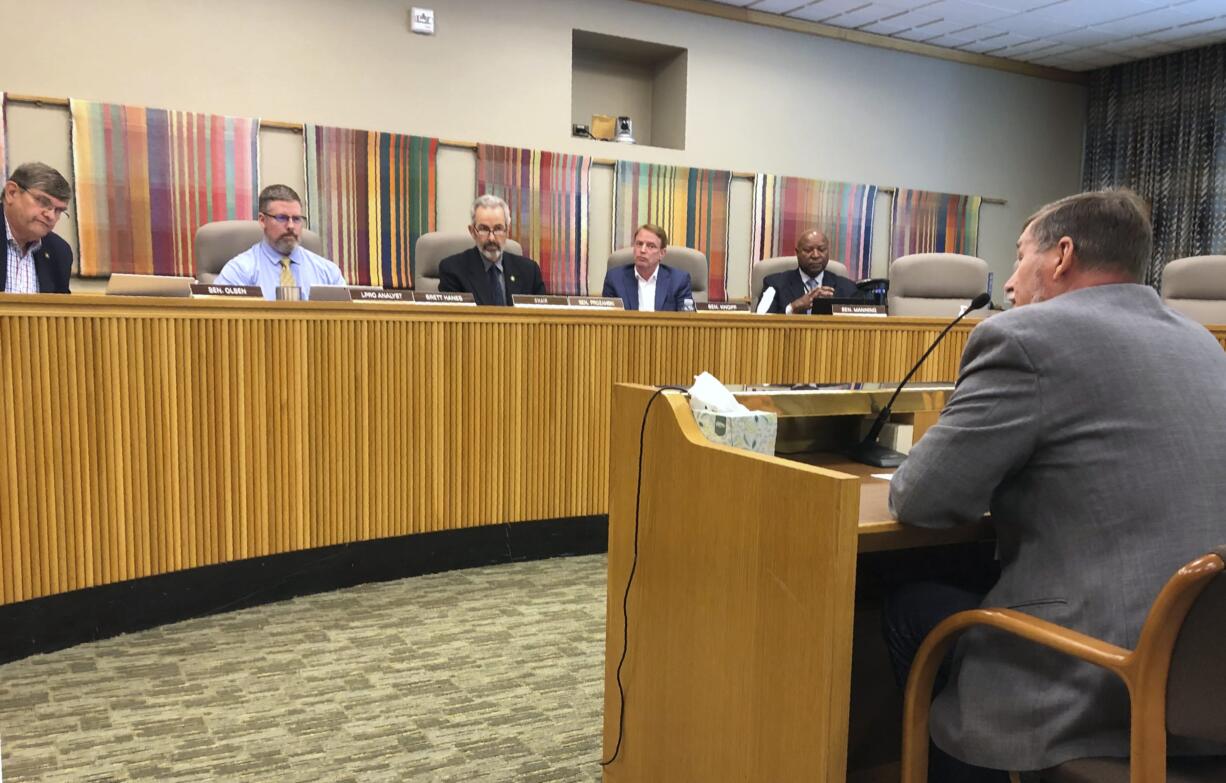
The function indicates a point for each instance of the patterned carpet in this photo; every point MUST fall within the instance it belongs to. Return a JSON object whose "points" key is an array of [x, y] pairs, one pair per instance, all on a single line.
{"points": [[491, 674]]}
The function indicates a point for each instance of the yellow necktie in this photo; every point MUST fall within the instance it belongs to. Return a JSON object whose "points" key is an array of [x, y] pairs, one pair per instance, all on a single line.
{"points": [[287, 277]]}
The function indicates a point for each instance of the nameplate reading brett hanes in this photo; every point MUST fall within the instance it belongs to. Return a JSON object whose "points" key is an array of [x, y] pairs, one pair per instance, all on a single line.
{"points": [[208, 289], [723, 307], [444, 298]]}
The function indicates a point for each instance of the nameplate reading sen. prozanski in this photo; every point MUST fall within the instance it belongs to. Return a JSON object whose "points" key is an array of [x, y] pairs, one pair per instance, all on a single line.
{"points": [[596, 302]]}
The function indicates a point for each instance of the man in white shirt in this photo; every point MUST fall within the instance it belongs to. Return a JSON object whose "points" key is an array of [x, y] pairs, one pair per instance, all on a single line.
{"points": [[648, 284]]}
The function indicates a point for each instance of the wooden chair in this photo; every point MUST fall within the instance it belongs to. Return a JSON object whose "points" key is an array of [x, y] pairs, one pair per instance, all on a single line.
{"points": [[1176, 678]]}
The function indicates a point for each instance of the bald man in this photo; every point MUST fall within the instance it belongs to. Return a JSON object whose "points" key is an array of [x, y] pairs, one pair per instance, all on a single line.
{"points": [[796, 289]]}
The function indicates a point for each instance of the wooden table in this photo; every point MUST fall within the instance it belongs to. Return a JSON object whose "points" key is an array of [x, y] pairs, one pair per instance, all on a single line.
{"points": [[738, 661]]}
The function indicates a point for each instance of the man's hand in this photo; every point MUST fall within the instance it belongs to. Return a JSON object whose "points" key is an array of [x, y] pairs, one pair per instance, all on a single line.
{"points": [[805, 301]]}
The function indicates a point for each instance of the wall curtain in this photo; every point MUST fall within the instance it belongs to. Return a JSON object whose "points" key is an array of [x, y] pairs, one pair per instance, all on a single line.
{"points": [[548, 196], [786, 207], [146, 179], [690, 204], [1158, 126], [4, 159], [370, 196], [924, 222]]}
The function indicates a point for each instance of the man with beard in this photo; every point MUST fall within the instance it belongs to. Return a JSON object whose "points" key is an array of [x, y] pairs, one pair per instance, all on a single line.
{"points": [[39, 261], [279, 259], [487, 271], [796, 289]]}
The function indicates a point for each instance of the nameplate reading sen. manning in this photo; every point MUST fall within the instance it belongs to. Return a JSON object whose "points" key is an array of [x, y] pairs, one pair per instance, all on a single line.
{"points": [[722, 307], [379, 295], [871, 310], [441, 298], [208, 289]]}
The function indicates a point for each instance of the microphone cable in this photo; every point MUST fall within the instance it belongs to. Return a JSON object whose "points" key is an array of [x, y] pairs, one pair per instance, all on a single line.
{"points": [[634, 562]]}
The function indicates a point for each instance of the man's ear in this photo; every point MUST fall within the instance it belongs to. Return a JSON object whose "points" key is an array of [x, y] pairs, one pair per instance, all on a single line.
{"points": [[1067, 260]]}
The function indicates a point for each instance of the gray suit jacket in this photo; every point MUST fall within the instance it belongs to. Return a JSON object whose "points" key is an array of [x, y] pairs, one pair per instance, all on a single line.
{"points": [[1093, 427]]}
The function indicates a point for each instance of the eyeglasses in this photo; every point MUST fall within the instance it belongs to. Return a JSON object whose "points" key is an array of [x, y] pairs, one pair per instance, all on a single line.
{"points": [[485, 231], [45, 203], [297, 220]]}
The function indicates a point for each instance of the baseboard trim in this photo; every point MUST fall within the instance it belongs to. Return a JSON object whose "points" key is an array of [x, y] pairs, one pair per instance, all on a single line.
{"points": [[53, 623]]}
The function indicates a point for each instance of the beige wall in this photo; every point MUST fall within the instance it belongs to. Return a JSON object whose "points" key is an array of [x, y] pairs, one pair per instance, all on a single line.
{"points": [[499, 71]]}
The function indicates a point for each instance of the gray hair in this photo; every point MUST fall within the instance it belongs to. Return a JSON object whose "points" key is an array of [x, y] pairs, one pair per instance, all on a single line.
{"points": [[277, 193], [489, 202], [40, 176], [1110, 230]]}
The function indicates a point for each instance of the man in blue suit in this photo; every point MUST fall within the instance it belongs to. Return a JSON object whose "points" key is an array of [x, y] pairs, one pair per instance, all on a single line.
{"points": [[647, 284]]}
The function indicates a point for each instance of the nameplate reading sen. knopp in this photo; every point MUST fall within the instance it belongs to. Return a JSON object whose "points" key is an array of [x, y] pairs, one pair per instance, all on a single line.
{"points": [[722, 307]]}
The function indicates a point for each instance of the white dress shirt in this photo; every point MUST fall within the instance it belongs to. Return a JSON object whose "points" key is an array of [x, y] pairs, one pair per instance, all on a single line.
{"points": [[810, 284], [647, 290]]}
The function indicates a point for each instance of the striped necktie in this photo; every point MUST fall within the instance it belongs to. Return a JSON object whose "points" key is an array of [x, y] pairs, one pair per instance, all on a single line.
{"points": [[287, 277]]}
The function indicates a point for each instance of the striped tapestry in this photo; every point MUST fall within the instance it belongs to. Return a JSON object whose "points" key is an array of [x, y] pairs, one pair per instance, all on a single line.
{"points": [[548, 196], [370, 195], [924, 222], [146, 179], [690, 204], [4, 158], [786, 207], [1156, 126]]}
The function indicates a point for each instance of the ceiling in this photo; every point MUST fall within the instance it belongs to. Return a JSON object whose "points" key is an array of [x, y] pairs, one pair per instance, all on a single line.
{"points": [[1074, 35]]}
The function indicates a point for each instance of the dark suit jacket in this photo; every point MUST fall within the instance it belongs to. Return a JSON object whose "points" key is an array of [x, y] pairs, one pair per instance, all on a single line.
{"points": [[465, 273], [672, 286], [52, 266], [789, 287], [1093, 427]]}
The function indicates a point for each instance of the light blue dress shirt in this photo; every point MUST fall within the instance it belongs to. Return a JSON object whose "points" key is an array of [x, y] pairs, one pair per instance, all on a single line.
{"points": [[261, 265]]}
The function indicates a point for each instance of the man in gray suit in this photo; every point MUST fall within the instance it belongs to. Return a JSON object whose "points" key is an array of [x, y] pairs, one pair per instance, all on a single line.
{"points": [[1090, 421]]}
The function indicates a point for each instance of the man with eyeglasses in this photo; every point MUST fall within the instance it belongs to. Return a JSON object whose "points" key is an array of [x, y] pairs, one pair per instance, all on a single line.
{"points": [[279, 259], [488, 271], [35, 197]]}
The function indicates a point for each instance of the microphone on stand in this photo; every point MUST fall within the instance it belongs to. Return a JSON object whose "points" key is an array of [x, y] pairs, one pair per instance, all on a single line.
{"points": [[868, 451]]}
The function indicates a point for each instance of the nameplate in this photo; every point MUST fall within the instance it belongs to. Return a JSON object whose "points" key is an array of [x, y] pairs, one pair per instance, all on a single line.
{"points": [[532, 300], [596, 302], [380, 295], [871, 310], [208, 289], [441, 298], [723, 307]]}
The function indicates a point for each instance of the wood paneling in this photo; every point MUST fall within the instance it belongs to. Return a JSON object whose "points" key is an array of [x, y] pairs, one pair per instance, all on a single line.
{"points": [[139, 437]]}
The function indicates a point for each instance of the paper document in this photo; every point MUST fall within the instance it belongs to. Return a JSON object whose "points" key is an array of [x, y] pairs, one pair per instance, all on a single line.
{"points": [[883, 476]]}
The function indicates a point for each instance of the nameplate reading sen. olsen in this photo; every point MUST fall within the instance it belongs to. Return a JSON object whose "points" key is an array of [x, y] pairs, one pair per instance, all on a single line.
{"points": [[208, 289]]}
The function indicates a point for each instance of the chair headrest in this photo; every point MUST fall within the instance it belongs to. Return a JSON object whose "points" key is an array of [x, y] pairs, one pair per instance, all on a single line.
{"points": [[938, 275], [1195, 277], [434, 246]]}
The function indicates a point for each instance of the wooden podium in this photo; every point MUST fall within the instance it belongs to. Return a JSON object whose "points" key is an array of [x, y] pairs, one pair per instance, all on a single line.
{"points": [[740, 613]]}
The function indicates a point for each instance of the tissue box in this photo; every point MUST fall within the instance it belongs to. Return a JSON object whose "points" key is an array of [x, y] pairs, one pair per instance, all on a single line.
{"points": [[754, 431]]}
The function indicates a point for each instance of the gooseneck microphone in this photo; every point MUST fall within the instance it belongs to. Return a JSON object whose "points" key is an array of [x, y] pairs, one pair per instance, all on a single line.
{"points": [[868, 451]]}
